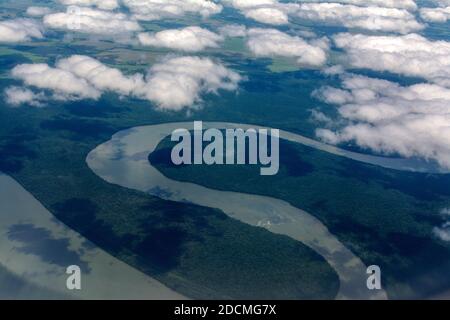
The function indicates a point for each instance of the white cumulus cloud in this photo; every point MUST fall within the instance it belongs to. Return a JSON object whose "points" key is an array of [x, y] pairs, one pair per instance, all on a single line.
{"points": [[172, 84], [159, 9], [268, 15], [20, 30], [243, 4], [38, 11], [271, 42], [100, 76], [410, 55], [63, 83], [264, 11], [383, 116], [178, 82], [101, 4], [351, 16], [443, 232], [435, 14], [89, 20], [399, 4], [377, 15], [190, 39], [16, 96]]}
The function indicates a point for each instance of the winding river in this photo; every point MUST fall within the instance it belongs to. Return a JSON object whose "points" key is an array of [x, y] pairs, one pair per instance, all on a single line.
{"points": [[123, 160], [36, 249]]}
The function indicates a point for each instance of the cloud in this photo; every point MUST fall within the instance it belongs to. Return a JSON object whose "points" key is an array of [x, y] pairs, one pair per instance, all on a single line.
{"points": [[385, 117], [159, 9], [334, 70], [178, 82], [172, 84], [101, 4], [16, 96], [443, 232], [264, 11], [271, 42], [99, 76], [399, 4], [63, 83], [410, 55], [190, 39], [20, 30], [243, 4], [351, 16], [435, 14], [90, 20], [377, 15], [268, 15], [38, 11], [320, 117], [274, 43]]}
